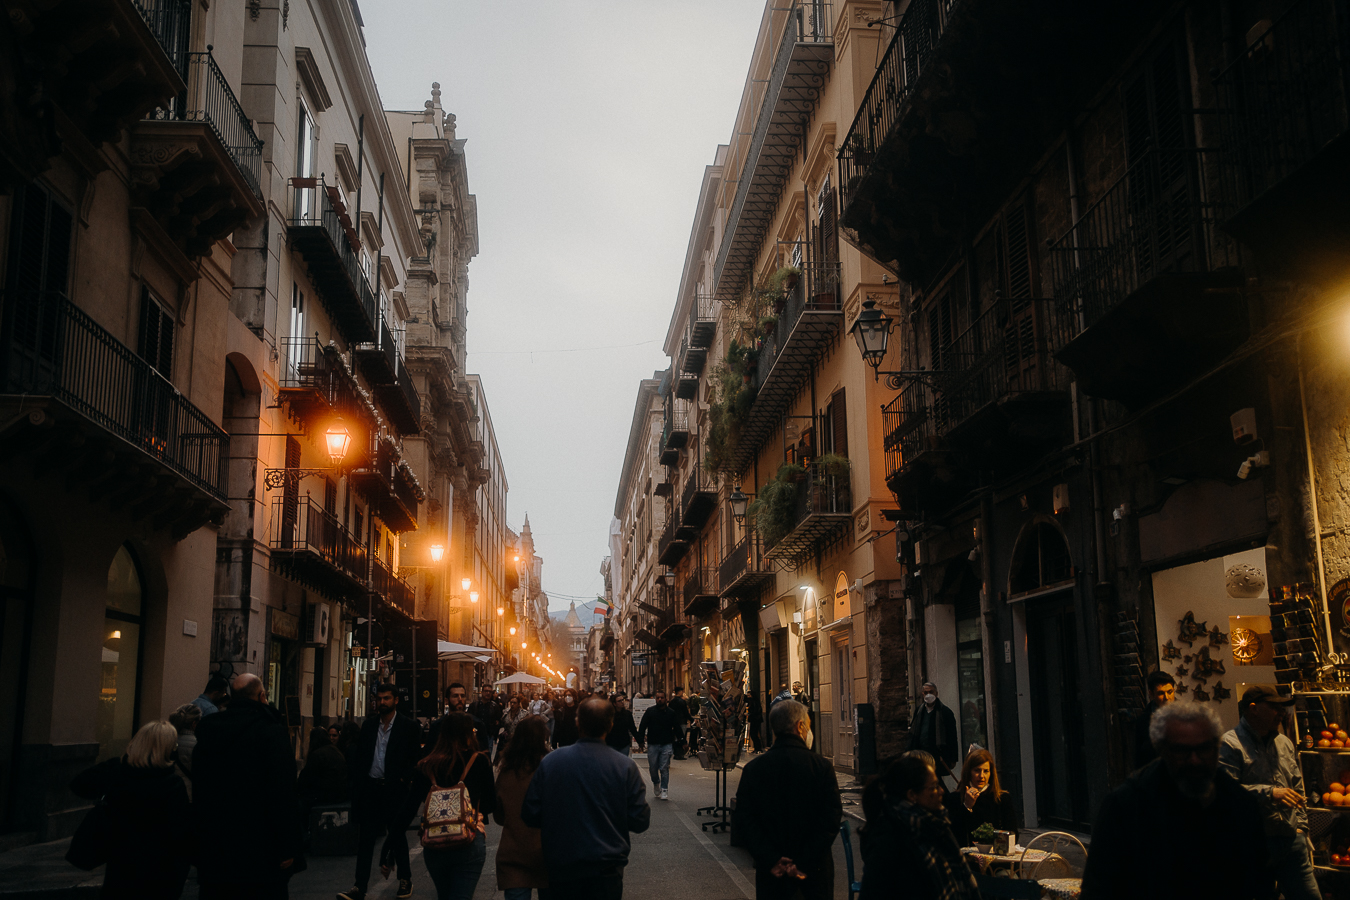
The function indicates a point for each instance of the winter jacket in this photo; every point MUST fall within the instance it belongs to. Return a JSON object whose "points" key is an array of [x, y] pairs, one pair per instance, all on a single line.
{"points": [[622, 735], [934, 730], [244, 796], [997, 811], [910, 853], [660, 725], [520, 855], [788, 804], [401, 753], [565, 730], [149, 828], [324, 777]]}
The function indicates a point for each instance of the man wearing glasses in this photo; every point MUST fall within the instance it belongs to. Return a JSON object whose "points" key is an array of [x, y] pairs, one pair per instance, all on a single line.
{"points": [[1265, 762]]}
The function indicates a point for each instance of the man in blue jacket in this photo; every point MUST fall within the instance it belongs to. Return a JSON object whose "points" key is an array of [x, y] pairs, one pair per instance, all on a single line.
{"points": [[586, 799]]}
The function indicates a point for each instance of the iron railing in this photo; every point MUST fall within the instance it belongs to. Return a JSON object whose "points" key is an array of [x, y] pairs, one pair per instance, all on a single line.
{"points": [[308, 365], [816, 291], [410, 396], [819, 493], [697, 480], [52, 347], [386, 346], [396, 592], [299, 525], [170, 21], [668, 534], [700, 581], [702, 320], [209, 99], [745, 557], [1284, 98], [1158, 218], [316, 204], [907, 425], [406, 492], [916, 37]]}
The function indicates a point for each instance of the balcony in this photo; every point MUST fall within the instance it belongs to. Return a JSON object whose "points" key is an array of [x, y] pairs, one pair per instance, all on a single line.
{"points": [[196, 163], [700, 591], [674, 542], [702, 320], [1286, 136], [822, 516], [324, 233], [801, 65], [811, 319], [999, 401], [378, 359], [395, 591], [309, 546], [399, 400], [81, 73], [744, 570], [1147, 283], [385, 486], [967, 96], [699, 497], [122, 431], [690, 363], [675, 433], [317, 388]]}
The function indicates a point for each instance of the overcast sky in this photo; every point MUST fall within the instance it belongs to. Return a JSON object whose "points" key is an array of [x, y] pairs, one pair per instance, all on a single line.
{"points": [[589, 125]]}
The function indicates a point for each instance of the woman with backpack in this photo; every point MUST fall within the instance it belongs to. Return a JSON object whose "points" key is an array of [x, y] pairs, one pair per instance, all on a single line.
{"points": [[455, 863], [520, 855]]}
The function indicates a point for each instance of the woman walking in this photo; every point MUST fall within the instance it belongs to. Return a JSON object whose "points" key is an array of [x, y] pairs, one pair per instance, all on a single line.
{"points": [[520, 855], [147, 820], [978, 800], [515, 714], [455, 758], [565, 721]]}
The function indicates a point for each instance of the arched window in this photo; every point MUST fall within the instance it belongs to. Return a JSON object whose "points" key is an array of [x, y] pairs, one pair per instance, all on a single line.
{"points": [[123, 634], [1041, 560]]}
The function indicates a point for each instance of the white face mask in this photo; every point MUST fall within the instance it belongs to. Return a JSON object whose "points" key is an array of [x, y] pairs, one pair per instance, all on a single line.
{"points": [[810, 738], [929, 699]]}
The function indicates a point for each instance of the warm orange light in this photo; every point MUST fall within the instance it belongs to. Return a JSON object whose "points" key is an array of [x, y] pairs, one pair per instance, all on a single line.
{"points": [[513, 631], [473, 596], [501, 611], [464, 583], [516, 557], [437, 551], [338, 438], [524, 644]]}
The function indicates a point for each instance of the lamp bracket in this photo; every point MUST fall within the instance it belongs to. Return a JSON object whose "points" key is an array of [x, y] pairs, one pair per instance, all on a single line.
{"points": [[275, 478], [937, 379]]}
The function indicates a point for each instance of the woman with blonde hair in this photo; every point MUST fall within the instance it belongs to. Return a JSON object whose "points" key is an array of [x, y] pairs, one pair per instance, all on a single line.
{"points": [[146, 816], [978, 799]]}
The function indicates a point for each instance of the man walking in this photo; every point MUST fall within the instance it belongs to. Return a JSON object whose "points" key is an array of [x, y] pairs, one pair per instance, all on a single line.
{"points": [[1265, 762], [379, 771], [586, 800], [790, 832], [244, 798], [1135, 850], [217, 691], [624, 730], [1161, 690], [933, 730], [658, 731], [488, 712]]}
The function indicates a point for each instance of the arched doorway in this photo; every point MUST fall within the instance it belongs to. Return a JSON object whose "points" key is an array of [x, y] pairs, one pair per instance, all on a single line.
{"points": [[1041, 580], [16, 604], [123, 645]]}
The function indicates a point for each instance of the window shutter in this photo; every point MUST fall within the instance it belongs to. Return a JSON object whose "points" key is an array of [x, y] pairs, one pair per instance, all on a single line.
{"points": [[156, 335], [838, 424]]}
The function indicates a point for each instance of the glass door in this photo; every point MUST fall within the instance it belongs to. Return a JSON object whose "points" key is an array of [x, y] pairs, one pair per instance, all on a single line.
{"points": [[843, 679]]}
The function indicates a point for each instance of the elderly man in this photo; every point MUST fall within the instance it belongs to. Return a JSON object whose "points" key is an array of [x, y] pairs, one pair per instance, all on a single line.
{"points": [[586, 800], [1265, 762], [244, 798], [789, 833], [1179, 827]]}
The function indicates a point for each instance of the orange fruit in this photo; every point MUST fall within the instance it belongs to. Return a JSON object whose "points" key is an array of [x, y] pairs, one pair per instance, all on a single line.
{"points": [[1333, 798], [1336, 788], [1324, 743]]}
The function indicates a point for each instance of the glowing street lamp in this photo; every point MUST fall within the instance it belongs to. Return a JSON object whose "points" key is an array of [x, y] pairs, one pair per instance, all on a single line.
{"points": [[513, 631], [464, 583], [337, 438], [437, 552], [473, 596]]}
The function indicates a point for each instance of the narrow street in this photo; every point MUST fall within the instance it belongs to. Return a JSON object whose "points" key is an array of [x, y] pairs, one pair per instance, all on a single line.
{"points": [[673, 860]]}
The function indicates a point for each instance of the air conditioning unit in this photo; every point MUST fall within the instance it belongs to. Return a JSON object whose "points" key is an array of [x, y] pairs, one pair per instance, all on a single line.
{"points": [[317, 624]]}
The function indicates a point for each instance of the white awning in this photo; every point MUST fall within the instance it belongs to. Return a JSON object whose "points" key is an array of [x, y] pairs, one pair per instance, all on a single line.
{"points": [[449, 650]]}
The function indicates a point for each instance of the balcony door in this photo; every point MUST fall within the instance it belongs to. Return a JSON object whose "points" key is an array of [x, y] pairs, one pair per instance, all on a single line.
{"points": [[843, 685], [39, 268]]}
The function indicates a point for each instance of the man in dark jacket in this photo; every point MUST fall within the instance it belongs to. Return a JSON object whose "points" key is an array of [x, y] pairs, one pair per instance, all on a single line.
{"points": [[661, 724], [624, 731], [681, 708], [586, 800], [1161, 690], [1135, 847], [933, 729], [488, 715], [244, 799], [379, 771], [789, 833]]}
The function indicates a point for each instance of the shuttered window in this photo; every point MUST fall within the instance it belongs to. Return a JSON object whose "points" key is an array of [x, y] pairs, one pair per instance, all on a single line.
{"points": [[155, 342]]}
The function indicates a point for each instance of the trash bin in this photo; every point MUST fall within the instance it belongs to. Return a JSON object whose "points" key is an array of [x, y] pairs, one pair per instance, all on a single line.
{"points": [[865, 740]]}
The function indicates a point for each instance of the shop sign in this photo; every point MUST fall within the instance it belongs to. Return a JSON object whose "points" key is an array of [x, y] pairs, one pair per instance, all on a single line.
{"points": [[841, 607], [283, 624]]}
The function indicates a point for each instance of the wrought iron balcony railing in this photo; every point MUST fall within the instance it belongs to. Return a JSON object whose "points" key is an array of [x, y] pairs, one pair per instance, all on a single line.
{"points": [[326, 234], [823, 510], [744, 569], [52, 347], [1159, 218], [170, 21], [906, 59], [209, 99], [1285, 98], [315, 381], [396, 592], [305, 535]]}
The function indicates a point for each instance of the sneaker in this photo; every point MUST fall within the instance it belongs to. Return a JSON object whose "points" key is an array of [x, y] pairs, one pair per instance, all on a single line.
{"points": [[404, 888], [665, 795], [355, 893]]}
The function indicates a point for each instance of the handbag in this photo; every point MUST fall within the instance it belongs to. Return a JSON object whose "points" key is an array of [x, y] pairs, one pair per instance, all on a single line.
{"points": [[91, 845], [448, 816]]}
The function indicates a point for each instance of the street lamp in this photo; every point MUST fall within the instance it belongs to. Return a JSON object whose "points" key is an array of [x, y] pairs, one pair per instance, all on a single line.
{"points": [[872, 330], [501, 611], [337, 438], [739, 501], [513, 631], [464, 583], [336, 441], [473, 596], [437, 551]]}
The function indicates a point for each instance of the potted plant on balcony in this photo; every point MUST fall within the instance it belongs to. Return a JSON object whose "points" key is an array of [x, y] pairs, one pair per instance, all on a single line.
{"points": [[832, 464], [774, 506], [856, 149], [767, 324], [784, 281]]}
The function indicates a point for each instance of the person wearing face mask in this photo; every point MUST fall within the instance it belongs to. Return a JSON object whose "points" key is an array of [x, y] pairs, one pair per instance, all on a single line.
{"points": [[933, 730], [978, 799], [1183, 792], [565, 721], [790, 833]]}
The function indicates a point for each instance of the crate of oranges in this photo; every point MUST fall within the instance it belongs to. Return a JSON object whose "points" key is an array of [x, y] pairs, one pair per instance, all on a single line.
{"points": [[1333, 737]]}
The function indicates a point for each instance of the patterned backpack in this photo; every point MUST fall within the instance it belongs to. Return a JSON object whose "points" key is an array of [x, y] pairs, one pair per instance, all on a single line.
{"points": [[448, 816]]}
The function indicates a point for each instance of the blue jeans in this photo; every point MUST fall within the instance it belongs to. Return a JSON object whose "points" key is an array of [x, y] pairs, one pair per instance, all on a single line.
{"points": [[455, 871], [658, 761], [1291, 864]]}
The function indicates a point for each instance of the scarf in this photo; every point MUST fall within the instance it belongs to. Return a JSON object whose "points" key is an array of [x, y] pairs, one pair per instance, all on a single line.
{"points": [[936, 848]]}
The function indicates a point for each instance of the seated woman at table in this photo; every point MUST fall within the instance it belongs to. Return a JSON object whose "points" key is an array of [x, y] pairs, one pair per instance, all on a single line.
{"points": [[978, 799]]}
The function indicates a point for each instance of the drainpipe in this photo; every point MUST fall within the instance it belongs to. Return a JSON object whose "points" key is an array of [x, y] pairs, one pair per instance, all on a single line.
{"points": [[360, 168], [988, 625]]}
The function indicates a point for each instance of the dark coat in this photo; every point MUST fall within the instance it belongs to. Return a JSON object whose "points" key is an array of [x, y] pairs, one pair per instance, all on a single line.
{"points": [[941, 735], [1150, 841], [894, 866], [490, 714], [1143, 747], [520, 854], [400, 755], [998, 812], [150, 824], [244, 796], [623, 733], [565, 731], [659, 725], [788, 804], [324, 777]]}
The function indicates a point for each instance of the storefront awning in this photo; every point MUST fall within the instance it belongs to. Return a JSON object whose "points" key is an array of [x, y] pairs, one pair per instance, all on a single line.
{"points": [[449, 650]]}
